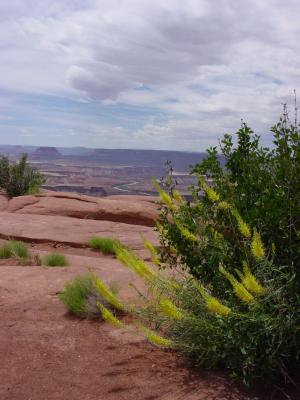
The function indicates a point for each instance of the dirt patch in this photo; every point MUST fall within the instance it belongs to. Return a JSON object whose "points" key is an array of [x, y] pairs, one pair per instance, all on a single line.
{"points": [[48, 355], [9, 261]]}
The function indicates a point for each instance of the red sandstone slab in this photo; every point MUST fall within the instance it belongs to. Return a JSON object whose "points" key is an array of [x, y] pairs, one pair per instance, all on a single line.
{"points": [[3, 203], [72, 231], [125, 209]]}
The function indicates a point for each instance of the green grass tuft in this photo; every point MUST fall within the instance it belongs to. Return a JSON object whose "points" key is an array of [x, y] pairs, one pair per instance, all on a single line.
{"points": [[75, 294], [81, 297], [14, 248], [18, 249], [55, 260], [104, 244], [5, 251]]}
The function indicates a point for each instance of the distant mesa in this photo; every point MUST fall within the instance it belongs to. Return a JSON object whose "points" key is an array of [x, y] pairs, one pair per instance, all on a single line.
{"points": [[46, 153]]}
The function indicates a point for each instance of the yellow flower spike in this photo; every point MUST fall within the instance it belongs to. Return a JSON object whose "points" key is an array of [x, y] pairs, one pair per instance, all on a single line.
{"points": [[250, 281], [152, 250], [246, 268], [242, 293], [107, 294], [186, 233], [156, 339], [240, 275], [238, 288], [135, 264], [156, 185], [211, 193], [223, 205], [243, 227], [212, 303], [177, 196], [170, 310], [257, 246], [161, 229], [165, 198], [109, 317]]}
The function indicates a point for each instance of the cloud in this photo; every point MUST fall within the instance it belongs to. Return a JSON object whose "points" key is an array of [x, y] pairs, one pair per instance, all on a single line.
{"points": [[198, 65]]}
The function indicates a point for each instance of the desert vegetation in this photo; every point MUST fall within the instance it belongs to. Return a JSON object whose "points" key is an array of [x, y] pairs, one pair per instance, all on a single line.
{"points": [[14, 249], [55, 260], [18, 250], [82, 296], [105, 245], [19, 178], [233, 300]]}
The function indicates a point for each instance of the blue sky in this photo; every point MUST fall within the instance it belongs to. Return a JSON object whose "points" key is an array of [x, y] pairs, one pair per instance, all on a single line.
{"points": [[144, 74]]}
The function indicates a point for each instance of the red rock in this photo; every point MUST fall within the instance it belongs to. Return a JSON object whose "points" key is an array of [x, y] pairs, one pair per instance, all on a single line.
{"points": [[131, 210], [73, 231], [21, 202], [3, 203], [148, 199]]}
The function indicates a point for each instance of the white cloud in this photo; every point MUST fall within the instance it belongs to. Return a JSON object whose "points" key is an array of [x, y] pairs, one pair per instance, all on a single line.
{"points": [[203, 64]]}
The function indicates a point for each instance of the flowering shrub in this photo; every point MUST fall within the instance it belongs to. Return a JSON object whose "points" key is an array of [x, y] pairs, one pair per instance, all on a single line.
{"points": [[244, 227], [243, 321], [250, 328], [233, 298]]}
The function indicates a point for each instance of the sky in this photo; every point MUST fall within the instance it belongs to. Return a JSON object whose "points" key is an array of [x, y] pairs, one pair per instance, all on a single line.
{"points": [[145, 74]]}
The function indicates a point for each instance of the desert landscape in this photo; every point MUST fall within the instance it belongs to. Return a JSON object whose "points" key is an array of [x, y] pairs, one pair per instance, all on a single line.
{"points": [[149, 200], [100, 172]]}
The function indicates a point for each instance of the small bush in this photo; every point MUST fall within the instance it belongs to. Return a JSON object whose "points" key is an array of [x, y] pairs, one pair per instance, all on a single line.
{"points": [[242, 227], [76, 293], [14, 248], [55, 260], [19, 178], [5, 251], [82, 298], [19, 249], [104, 244]]}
